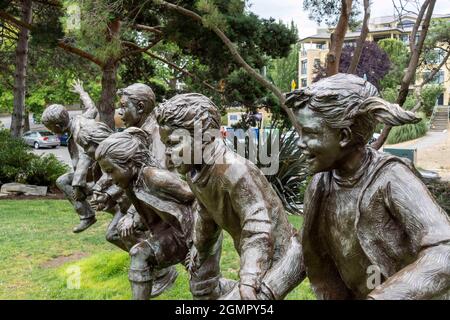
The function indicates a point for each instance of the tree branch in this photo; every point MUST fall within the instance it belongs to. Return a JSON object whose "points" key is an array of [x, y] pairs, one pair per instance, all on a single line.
{"points": [[362, 38], [80, 53], [137, 49], [237, 57], [171, 64], [427, 6], [337, 38], [147, 28], [19, 23]]}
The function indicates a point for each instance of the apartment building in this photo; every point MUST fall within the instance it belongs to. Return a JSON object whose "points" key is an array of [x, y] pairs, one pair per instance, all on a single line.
{"points": [[314, 49]]}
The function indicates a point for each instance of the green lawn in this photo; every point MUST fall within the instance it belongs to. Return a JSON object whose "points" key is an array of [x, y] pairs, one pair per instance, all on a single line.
{"points": [[41, 257]]}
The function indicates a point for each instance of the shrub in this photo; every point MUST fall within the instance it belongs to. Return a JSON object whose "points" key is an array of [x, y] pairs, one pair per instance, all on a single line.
{"points": [[441, 192], [44, 170], [18, 164], [14, 157], [429, 95], [408, 132]]}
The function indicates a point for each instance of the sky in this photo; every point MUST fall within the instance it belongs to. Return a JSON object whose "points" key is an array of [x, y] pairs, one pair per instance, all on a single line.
{"points": [[288, 10]]}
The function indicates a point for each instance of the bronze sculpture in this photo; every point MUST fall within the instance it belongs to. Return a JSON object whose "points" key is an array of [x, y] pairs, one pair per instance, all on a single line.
{"points": [[365, 210], [74, 185], [234, 196], [162, 200], [137, 103]]}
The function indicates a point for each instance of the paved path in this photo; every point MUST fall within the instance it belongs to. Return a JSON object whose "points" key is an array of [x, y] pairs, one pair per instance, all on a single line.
{"points": [[433, 152], [61, 153]]}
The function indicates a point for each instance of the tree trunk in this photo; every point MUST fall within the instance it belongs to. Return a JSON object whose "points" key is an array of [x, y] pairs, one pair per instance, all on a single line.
{"points": [[361, 40], [21, 72], [413, 63], [337, 39], [26, 121], [106, 107]]}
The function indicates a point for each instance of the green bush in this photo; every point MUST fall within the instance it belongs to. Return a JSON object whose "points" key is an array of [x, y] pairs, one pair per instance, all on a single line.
{"points": [[441, 192], [391, 94], [18, 164], [429, 95], [408, 132], [44, 170], [14, 157]]}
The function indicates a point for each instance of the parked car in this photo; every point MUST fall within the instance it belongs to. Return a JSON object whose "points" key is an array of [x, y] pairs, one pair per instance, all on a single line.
{"points": [[41, 138], [63, 139]]}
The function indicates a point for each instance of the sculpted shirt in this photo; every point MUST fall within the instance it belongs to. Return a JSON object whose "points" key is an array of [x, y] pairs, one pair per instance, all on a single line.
{"points": [[80, 160], [399, 227], [155, 145], [339, 230], [235, 196]]}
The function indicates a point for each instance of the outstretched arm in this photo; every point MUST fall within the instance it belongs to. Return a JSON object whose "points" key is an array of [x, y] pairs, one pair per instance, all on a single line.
{"points": [[428, 227], [91, 109]]}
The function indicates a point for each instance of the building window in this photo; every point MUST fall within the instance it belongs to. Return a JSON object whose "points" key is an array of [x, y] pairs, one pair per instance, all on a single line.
{"points": [[320, 46], [404, 38], [304, 83], [316, 63], [437, 79], [304, 67], [349, 43], [406, 24]]}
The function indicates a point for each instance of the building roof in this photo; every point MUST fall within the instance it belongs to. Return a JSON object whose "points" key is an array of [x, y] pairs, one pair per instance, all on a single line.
{"points": [[323, 34]]}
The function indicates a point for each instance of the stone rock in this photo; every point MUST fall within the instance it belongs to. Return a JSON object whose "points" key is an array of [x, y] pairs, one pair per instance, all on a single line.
{"points": [[3, 195], [25, 189]]}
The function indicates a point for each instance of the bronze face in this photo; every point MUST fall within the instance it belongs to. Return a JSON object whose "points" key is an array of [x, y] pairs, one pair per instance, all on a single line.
{"points": [[121, 176], [57, 128], [131, 111], [320, 143], [175, 148]]}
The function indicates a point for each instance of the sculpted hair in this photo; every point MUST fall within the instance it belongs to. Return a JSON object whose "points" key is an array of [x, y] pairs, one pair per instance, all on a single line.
{"points": [[126, 149], [55, 114], [348, 101], [94, 132], [184, 111], [139, 92]]}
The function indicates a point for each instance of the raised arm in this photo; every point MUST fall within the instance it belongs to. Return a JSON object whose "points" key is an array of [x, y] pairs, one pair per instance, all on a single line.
{"points": [[91, 110], [428, 227]]}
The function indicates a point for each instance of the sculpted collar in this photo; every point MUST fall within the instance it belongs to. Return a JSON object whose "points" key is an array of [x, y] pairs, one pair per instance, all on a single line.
{"points": [[351, 180]]}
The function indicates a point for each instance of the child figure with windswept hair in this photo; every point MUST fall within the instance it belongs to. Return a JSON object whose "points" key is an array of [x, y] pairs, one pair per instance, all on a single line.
{"points": [[372, 229]]}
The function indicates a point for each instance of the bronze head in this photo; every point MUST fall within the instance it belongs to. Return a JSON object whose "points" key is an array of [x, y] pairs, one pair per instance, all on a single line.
{"points": [[338, 115], [56, 118], [194, 114], [136, 103], [122, 155]]}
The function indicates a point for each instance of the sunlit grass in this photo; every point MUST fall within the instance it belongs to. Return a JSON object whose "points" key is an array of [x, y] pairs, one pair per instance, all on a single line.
{"points": [[36, 240]]}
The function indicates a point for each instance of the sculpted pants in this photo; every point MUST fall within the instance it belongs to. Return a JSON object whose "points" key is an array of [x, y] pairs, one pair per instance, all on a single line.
{"points": [[83, 208], [206, 282], [162, 250]]}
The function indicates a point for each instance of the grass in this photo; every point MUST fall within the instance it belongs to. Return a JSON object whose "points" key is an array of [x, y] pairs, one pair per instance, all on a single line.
{"points": [[41, 258]]}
